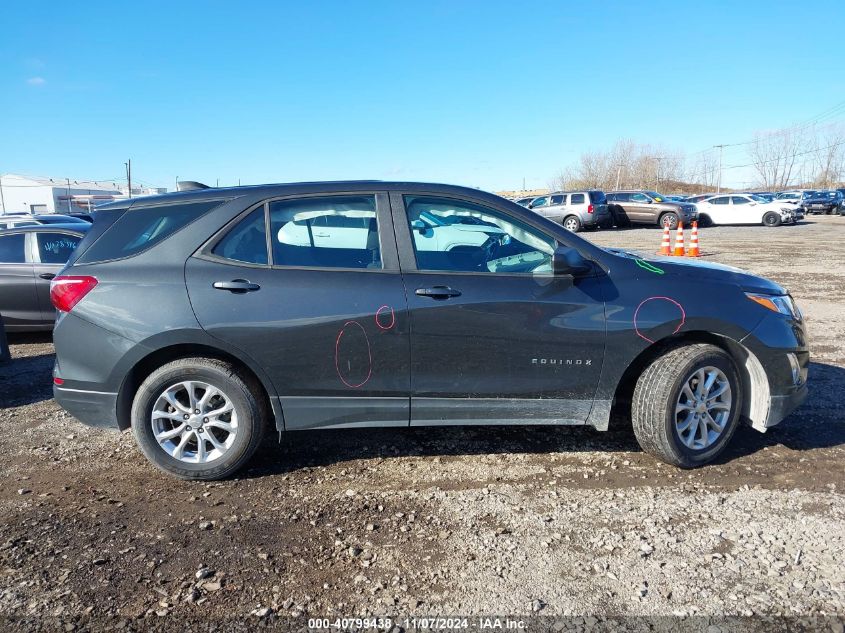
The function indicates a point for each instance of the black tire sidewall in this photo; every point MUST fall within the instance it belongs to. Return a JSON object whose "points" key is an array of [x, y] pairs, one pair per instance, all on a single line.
{"points": [[769, 215], [686, 456], [239, 395]]}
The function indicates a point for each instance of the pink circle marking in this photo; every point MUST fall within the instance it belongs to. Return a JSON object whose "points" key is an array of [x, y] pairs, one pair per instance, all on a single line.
{"points": [[337, 355], [670, 300], [381, 311]]}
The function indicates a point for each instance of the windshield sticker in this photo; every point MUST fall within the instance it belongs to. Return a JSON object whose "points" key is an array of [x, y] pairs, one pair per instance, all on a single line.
{"points": [[649, 267], [658, 311]]}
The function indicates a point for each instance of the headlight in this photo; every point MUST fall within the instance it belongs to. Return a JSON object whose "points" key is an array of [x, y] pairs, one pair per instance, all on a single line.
{"points": [[777, 303], [785, 210]]}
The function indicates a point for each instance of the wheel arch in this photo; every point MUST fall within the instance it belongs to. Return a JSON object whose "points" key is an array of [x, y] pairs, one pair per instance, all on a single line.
{"points": [[755, 383], [152, 361]]}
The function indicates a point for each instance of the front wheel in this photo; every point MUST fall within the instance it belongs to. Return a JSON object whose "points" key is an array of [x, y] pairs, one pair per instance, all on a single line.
{"points": [[686, 405], [670, 219], [198, 418], [772, 219], [572, 223]]}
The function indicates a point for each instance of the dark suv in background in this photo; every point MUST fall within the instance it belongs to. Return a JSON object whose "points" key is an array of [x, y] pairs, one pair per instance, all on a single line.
{"points": [[649, 207], [202, 319]]}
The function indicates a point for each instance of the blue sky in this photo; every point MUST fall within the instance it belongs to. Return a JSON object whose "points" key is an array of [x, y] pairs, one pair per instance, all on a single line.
{"points": [[476, 93]]}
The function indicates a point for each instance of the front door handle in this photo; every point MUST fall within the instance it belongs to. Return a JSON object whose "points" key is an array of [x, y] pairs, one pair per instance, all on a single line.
{"points": [[438, 292], [238, 286], [47, 275]]}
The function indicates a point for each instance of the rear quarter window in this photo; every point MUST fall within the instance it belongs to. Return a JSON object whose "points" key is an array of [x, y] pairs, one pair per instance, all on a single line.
{"points": [[136, 230]]}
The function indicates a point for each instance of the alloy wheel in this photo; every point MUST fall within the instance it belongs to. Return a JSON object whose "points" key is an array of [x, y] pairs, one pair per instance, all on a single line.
{"points": [[703, 408], [194, 422]]}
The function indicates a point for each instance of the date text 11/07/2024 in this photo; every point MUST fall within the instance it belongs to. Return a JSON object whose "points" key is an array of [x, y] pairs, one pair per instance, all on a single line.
{"points": [[482, 623]]}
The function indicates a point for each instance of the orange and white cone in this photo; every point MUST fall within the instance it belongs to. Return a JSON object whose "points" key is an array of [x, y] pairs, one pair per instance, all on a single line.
{"points": [[693, 242], [666, 244], [679, 242]]}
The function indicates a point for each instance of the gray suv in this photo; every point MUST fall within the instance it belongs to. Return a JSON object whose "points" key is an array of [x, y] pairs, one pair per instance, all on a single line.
{"points": [[575, 210], [649, 207]]}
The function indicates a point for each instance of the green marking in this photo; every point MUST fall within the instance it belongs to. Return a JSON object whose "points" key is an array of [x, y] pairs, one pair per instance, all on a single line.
{"points": [[649, 267]]}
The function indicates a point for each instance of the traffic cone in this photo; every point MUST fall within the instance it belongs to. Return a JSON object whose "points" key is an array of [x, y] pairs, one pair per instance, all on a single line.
{"points": [[693, 242], [679, 242], [666, 244]]}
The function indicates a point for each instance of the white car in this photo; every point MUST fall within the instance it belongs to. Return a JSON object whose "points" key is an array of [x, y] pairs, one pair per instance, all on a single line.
{"points": [[743, 209]]}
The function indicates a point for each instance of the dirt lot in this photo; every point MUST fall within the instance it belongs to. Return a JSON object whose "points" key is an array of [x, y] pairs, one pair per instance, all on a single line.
{"points": [[439, 521]]}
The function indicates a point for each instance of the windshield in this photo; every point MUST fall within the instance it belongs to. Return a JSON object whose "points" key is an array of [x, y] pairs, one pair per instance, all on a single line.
{"points": [[658, 197]]}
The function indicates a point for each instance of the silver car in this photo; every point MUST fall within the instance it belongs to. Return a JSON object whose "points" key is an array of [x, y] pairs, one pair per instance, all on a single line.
{"points": [[575, 210]]}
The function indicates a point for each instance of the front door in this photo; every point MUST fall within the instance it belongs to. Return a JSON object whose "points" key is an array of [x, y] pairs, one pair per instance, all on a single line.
{"points": [[495, 337], [18, 300], [323, 312], [640, 208]]}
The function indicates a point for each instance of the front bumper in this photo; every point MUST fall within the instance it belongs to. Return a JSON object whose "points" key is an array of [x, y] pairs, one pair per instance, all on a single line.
{"points": [[781, 406], [94, 408]]}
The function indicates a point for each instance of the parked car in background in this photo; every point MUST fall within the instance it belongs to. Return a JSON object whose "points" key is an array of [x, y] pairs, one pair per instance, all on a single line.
{"points": [[30, 256], [524, 202], [795, 196], [768, 195], [743, 209], [699, 197], [649, 207], [675, 198], [25, 219], [244, 331], [575, 210], [825, 202]]}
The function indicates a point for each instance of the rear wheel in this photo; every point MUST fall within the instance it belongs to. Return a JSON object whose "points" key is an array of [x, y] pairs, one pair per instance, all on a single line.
{"points": [[198, 418], [670, 219], [772, 219], [686, 405], [572, 223]]}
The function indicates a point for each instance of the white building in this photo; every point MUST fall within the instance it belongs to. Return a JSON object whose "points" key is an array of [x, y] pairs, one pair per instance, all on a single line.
{"points": [[28, 194]]}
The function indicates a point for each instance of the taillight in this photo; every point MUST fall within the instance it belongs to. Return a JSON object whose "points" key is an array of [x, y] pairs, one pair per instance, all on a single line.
{"points": [[68, 290], [590, 209]]}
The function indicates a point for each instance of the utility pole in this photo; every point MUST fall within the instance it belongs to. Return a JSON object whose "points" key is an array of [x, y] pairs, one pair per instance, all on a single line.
{"points": [[719, 181], [67, 191], [618, 172], [2, 199], [128, 164], [177, 184], [657, 176]]}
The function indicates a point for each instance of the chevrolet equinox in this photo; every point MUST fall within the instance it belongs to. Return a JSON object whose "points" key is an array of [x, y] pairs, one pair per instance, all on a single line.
{"points": [[203, 318]]}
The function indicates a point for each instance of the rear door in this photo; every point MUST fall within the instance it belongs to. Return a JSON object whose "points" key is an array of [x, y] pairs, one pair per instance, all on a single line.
{"points": [[18, 299], [495, 337], [309, 287], [720, 211], [50, 251]]}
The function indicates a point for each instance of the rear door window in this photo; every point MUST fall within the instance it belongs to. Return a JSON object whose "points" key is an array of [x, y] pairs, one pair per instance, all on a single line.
{"points": [[557, 200], [139, 229], [55, 248], [329, 232], [12, 249]]}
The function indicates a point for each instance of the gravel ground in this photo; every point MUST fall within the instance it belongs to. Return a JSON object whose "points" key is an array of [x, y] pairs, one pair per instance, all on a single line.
{"points": [[521, 521]]}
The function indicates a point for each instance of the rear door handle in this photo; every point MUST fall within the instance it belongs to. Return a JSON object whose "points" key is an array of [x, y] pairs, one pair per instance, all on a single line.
{"points": [[47, 275], [237, 286], [438, 292]]}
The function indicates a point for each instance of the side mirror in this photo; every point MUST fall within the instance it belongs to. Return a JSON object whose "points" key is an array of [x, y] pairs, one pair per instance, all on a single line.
{"points": [[419, 225], [568, 261]]}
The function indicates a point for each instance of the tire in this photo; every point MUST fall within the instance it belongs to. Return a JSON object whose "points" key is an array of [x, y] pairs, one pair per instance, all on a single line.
{"points": [[249, 415], [572, 223], [657, 394], [704, 221], [772, 219], [669, 219], [619, 219]]}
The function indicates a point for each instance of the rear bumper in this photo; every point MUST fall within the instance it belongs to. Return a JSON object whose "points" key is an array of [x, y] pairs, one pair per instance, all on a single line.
{"points": [[94, 408]]}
